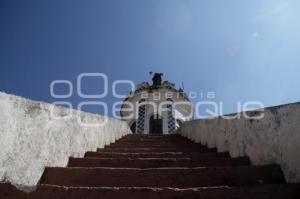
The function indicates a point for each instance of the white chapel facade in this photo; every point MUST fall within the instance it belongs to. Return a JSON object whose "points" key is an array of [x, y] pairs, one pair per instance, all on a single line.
{"points": [[159, 108]]}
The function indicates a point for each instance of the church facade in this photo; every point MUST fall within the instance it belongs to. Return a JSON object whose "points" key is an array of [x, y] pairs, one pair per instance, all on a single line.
{"points": [[159, 108]]}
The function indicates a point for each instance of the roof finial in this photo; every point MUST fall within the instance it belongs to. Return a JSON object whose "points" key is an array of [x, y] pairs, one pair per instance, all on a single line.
{"points": [[157, 79]]}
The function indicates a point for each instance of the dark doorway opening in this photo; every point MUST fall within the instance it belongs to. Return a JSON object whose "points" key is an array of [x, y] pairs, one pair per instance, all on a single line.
{"points": [[133, 127], [156, 124]]}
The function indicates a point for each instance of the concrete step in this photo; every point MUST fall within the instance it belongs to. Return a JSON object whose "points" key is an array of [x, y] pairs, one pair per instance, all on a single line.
{"points": [[194, 155], [278, 191], [162, 149], [163, 177], [156, 162]]}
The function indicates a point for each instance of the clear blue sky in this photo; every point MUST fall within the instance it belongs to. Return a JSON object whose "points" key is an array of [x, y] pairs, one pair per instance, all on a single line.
{"points": [[242, 50]]}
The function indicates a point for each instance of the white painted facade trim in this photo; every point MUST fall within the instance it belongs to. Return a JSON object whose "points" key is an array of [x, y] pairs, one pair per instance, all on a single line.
{"points": [[30, 139], [275, 139]]}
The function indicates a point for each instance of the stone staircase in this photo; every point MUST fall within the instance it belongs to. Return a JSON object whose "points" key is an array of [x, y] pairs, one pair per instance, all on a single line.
{"points": [[162, 166]]}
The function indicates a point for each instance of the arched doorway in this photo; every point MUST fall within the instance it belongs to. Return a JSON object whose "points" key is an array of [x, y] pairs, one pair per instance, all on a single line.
{"points": [[155, 124]]}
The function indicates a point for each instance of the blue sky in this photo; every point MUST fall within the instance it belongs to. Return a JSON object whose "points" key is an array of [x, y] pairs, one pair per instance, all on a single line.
{"points": [[241, 50]]}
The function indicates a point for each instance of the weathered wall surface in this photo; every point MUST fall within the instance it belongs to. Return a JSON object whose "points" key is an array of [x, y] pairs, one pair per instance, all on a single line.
{"points": [[273, 139], [30, 138]]}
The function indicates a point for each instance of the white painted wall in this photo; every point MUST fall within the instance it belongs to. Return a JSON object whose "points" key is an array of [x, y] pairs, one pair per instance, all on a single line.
{"points": [[30, 139], [273, 139]]}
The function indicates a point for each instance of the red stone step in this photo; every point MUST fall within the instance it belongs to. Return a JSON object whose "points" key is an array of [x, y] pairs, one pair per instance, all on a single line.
{"points": [[280, 191], [162, 139], [272, 191], [149, 136], [156, 162], [174, 142], [146, 139], [166, 144], [155, 144], [186, 146], [145, 149], [163, 177], [158, 166], [155, 154], [158, 143], [8, 191]]}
